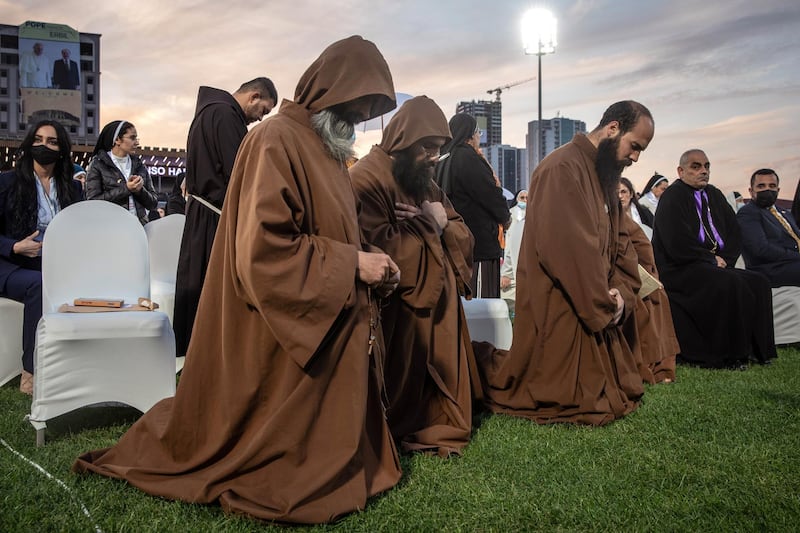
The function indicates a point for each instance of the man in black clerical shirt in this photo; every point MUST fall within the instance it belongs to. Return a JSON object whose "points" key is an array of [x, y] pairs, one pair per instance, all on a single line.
{"points": [[722, 315]]}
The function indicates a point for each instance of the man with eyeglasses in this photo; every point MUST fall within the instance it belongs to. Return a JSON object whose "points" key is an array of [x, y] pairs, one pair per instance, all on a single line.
{"points": [[429, 363]]}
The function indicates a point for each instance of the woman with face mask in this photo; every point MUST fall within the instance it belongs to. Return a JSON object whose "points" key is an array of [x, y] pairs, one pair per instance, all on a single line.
{"points": [[508, 270], [32, 194], [117, 174]]}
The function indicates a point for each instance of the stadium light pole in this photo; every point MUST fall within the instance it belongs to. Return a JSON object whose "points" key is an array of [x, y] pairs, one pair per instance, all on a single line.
{"points": [[539, 38]]}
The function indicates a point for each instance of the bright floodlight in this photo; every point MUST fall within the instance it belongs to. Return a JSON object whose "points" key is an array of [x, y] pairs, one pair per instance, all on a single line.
{"points": [[539, 32]]}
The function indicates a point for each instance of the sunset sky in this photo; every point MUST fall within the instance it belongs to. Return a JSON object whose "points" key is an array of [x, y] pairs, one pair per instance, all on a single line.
{"points": [[723, 76]]}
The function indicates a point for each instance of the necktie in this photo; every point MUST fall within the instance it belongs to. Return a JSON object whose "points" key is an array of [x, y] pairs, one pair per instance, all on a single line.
{"points": [[785, 225]]}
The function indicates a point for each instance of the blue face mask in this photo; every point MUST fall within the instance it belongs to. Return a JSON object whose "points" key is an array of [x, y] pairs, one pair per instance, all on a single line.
{"points": [[521, 205]]}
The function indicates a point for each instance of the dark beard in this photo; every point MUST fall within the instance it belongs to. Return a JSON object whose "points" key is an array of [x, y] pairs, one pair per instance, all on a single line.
{"points": [[609, 170], [414, 179]]}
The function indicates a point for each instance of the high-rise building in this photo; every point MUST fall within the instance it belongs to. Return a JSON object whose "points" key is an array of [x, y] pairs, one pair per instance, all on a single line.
{"points": [[510, 164], [554, 132], [490, 119]]}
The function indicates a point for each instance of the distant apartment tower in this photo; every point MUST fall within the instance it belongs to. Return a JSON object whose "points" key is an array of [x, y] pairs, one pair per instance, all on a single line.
{"points": [[510, 164], [555, 132], [490, 119], [23, 102]]}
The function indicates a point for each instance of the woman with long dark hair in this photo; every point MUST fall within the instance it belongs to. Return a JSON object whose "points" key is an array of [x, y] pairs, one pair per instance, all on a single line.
{"points": [[32, 194], [116, 174]]}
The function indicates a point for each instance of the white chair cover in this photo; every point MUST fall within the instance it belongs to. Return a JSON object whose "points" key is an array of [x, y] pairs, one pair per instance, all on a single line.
{"points": [[96, 249], [488, 320], [10, 339], [786, 314], [164, 242]]}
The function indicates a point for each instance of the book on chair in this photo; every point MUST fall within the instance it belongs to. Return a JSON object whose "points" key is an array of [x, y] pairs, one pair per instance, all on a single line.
{"points": [[98, 302]]}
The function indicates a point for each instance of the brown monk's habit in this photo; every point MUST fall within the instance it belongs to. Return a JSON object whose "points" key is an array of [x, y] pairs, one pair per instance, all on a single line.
{"points": [[568, 363], [428, 357], [278, 412]]}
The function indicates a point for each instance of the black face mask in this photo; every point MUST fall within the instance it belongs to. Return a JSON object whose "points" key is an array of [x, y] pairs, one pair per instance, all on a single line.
{"points": [[766, 199], [44, 155]]}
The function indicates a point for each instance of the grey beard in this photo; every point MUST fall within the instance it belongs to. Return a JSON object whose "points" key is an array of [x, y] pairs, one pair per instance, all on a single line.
{"points": [[336, 134]]}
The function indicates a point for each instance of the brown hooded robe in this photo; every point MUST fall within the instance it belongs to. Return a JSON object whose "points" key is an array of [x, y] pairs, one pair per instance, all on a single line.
{"points": [[651, 328], [568, 363], [278, 412], [428, 353]]}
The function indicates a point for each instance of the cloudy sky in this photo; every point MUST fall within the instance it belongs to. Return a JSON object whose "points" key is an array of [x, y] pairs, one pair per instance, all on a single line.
{"points": [[721, 75]]}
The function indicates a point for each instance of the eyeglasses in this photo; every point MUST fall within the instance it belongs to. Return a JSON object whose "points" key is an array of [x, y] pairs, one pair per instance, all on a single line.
{"points": [[431, 152], [134, 138]]}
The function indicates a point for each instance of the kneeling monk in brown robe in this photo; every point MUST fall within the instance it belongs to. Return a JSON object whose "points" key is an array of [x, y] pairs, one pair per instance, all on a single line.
{"points": [[569, 361], [278, 414], [404, 213]]}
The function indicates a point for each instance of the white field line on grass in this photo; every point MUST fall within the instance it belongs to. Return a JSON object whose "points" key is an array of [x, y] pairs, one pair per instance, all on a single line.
{"points": [[58, 481]]}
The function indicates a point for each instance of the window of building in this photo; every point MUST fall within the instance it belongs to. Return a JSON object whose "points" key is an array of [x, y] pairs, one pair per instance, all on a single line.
{"points": [[90, 113], [3, 125], [3, 73], [90, 98], [73, 129], [9, 41], [90, 131], [87, 49], [89, 80], [3, 91], [3, 107], [86, 65], [9, 59]]}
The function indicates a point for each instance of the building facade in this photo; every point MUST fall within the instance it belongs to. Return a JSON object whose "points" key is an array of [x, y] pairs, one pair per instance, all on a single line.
{"points": [[510, 164], [489, 115], [554, 132], [52, 71]]}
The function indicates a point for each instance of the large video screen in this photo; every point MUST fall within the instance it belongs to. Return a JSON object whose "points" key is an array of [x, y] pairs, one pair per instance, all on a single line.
{"points": [[49, 73]]}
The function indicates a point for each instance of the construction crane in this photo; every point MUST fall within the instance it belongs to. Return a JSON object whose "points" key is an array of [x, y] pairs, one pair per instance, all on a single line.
{"points": [[500, 89]]}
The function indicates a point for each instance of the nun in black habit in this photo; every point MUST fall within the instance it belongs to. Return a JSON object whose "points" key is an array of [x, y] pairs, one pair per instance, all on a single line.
{"points": [[468, 180]]}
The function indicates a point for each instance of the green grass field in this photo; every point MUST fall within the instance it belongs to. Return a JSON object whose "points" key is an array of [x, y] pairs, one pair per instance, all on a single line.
{"points": [[715, 451]]}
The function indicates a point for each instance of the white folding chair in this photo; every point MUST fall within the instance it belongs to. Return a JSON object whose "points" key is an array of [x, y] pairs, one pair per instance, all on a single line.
{"points": [[786, 314], [488, 320], [164, 242], [96, 249], [11, 314]]}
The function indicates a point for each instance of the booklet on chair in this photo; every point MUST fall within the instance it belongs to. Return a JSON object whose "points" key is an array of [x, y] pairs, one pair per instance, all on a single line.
{"points": [[649, 283], [98, 302]]}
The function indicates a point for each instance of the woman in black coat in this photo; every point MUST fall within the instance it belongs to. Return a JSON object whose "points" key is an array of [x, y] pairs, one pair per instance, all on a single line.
{"points": [[32, 194], [469, 182], [116, 174]]}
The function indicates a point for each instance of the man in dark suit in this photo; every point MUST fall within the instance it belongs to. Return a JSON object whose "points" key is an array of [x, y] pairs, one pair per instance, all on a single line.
{"points": [[65, 72], [770, 235]]}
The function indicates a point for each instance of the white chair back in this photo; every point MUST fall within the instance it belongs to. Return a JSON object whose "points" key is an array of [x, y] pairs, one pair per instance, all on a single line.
{"points": [[103, 235], [164, 241]]}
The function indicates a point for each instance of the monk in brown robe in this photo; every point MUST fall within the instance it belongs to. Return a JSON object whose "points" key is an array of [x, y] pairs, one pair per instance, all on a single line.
{"points": [[404, 213], [651, 329], [278, 414], [569, 361]]}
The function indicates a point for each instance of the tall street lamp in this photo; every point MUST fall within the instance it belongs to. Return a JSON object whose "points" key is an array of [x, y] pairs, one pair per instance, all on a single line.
{"points": [[539, 38]]}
